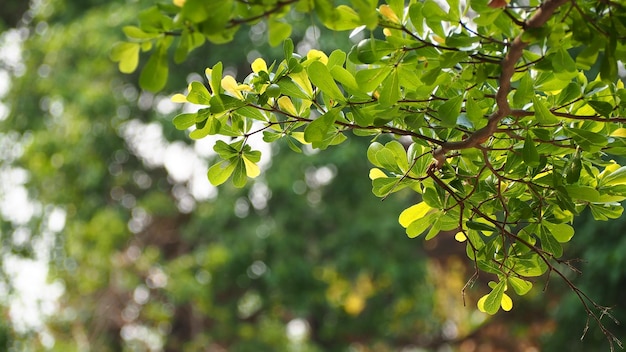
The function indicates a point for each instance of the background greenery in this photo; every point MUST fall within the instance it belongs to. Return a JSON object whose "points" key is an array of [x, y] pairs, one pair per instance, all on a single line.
{"points": [[151, 259]]}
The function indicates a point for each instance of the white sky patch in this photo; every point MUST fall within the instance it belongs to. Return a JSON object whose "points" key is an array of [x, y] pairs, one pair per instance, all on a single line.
{"points": [[56, 219], [11, 49], [179, 161], [164, 105], [184, 164], [35, 296], [297, 330], [5, 80], [15, 206], [146, 141]]}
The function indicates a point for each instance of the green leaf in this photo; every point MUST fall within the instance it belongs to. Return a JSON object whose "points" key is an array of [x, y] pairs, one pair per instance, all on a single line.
{"points": [[154, 75], [451, 59], [288, 87], [184, 121], [573, 168], [605, 212], [431, 198], [212, 126], [589, 194], [278, 32], [529, 153], [587, 140], [524, 92], [412, 213], [530, 267], [288, 48], [341, 18], [137, 33], [416, 16], [240, 175], [543, 115], [589, 55], [127, 54], [383, 186], [344, 77], [480, 226], [322, 79], [419, 226], [224, 150], [188, 42], [195, 10], [152, 20], [601, 107], [561, 232], [549, 243], [215, 80], [617, 177], [390, 90], [491, 303], [370, 50], [367, 12], [336, 58], [450, 111], [220, 172], [198, 94], [433, 12], [316, 130], [562, 61], [370, 79], [474, 112], [387, 159], [520, 286], [570, 93], [372, 150], [399, 154], [552, 83], [608, 63], [213, 15]]}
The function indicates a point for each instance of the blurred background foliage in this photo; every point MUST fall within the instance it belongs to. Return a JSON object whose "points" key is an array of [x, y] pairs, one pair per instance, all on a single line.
{"points": [[103, 195]]}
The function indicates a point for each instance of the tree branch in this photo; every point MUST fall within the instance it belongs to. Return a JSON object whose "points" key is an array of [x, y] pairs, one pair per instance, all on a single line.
{"points": [[515, 52]]}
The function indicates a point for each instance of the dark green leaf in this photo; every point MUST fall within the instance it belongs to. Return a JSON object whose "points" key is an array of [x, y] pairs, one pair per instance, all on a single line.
{"points": [[529, 153]]}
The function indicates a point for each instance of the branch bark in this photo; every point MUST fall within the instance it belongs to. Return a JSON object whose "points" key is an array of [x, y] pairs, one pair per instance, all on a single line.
{"points": [[516, 49]]}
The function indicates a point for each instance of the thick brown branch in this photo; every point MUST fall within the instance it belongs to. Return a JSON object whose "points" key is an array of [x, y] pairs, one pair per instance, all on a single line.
{"points": [[507, 65]]}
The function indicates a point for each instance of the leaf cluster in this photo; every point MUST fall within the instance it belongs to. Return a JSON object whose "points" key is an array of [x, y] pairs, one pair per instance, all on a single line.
{"points": [[500, 119]]}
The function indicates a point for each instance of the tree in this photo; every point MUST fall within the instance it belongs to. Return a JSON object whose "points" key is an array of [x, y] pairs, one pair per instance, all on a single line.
{"points": [[505, 118], [129, 227]]}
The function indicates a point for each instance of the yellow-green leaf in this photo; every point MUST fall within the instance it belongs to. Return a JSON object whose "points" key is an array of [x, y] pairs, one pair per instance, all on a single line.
{"points": [[413, 213], [320, 76], [506, 303], [252, 169], [491, 303], [127, 56], [278, 32], [220, 172]]}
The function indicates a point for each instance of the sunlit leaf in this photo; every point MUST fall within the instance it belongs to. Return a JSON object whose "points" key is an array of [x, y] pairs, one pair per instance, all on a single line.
{"points": [[321, 77], [127, 54], [413, 213]]}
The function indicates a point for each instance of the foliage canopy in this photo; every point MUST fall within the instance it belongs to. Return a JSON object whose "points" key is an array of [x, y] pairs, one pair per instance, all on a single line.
{"points": [[506, 119]]}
